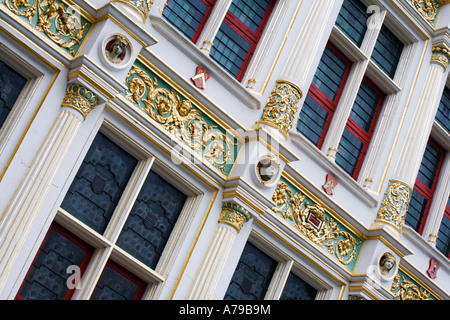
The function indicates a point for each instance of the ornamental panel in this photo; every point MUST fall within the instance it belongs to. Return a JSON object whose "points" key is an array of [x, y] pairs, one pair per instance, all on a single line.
{"points": [[181, 118], [406, 288], [61, 23], [314, 220]]}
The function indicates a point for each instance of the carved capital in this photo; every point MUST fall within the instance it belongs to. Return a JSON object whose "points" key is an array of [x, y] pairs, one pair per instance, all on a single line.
{"points": [[234, 215], [282, 106], [141, 6], [395, 204], [80, 99], [440, 56]]}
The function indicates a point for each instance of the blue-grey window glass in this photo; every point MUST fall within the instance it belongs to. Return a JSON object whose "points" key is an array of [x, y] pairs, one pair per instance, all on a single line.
{"points": [[47, 278], [387, 51], [352, 20], [429, 165], [185, 15], [151, 220], [349, 152], [312, 120], [365, 106], [250, 12], [99, 183], [229, 49], [11, 84], [112, 285], [416, 210], [443, 113], [252, 276], [443, 240], [329, 73], [297, 289]]}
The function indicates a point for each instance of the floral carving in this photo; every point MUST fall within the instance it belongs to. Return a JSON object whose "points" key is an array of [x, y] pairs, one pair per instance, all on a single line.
{"points": [[180, 118], [428, 9], [58, 21], [403, 289], [311, 220], [395, 203], [282, 106]]}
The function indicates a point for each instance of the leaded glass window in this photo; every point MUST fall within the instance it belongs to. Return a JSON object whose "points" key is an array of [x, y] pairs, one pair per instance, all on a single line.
{"points": [[151, 220], [252, 276], [48, 276], [443, 240], [297, 289], [387, 52], [11, 84], [352, 20], [99, 183], [443, 113], [116, 283]]}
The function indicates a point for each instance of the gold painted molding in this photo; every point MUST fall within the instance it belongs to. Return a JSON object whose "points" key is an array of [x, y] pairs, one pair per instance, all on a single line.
{"points": [[141, 6], [79, 98], [234, 215], [440, 56]]}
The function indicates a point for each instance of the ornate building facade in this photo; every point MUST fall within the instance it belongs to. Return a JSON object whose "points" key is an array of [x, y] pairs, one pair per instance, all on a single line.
{"points": [[225, 149]]}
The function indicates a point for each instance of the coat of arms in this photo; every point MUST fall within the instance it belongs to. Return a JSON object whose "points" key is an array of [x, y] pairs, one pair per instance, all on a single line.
{"points": [[330, 183]]}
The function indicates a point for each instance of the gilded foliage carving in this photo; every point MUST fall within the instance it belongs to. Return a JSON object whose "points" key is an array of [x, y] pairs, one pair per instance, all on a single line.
{"points": [[428, 9], [143, 6], [61, 23], [180, 118], [395, 203], [404, 289], [440, 56], [79, 98], [282, 106], [311, 220], [234, 215]]}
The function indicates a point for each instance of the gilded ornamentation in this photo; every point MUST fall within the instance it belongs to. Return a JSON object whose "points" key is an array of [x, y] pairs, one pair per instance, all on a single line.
{"points": [[63, 25], [281, 106], [428, 9], [312, 220], [405, 289], [180, 118], [79, 98], [234, 215], [440, 56], [395, 203], [143, 6]]}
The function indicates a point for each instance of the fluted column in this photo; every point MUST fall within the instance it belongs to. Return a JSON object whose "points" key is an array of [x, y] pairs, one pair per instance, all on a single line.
{"points": [[231, 221], [398, 194], [282, 107], [21, 212], [205, 41]]}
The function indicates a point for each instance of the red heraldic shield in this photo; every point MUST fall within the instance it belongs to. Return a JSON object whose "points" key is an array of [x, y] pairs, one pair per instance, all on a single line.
{"points": [[432, 270], [200, 78], [330, 183]]}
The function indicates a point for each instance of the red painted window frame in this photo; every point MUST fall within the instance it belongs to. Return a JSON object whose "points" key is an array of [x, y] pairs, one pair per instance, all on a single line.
{"points": [[362, 135], [245, 32], [142, 285], [210, 5], [426, 192], [321, 98], [69, 235]]}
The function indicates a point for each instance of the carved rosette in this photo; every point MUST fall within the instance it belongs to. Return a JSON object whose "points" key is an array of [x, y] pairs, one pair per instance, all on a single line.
{"points": [[440, 56], [234, 215], [395, 204], [282, 106], [142, 6], [79, 98]]}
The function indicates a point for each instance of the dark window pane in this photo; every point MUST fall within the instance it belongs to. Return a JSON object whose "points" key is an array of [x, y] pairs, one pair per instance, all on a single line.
{"points": [[297, 289], [443, 113], [429, 166], [352, 20], [229, 49], [252, 276], [365, 106], [151, 220], [387, 51], [99, 183], [47, 277], [116, 283], [443, 240], [250, 12], [349, 152], [416, 210], [312, 120], [11, 84], [185, 15]]}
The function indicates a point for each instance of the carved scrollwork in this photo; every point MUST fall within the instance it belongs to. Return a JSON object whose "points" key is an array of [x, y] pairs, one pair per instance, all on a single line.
{"points": [[311, 220], [56, 20], [395, 204], [428, 9], [404, 289], [179, 118]]}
